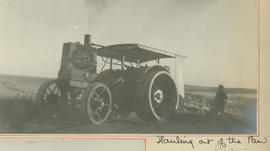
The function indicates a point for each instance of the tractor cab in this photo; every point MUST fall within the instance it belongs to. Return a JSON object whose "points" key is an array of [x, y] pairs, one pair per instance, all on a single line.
{"points": [[141, 59]]}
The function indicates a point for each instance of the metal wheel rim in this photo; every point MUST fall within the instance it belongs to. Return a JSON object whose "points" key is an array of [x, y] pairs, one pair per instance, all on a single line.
{"points": [[99, 104], [158, 106], [51, 94]]}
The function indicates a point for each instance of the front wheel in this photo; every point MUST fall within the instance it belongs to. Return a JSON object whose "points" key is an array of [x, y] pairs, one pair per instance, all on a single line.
{"points": [[49, 93], [97, 102]]}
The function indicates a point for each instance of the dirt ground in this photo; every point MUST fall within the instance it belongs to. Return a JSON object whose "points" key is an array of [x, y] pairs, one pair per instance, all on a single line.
{"points": [[19, 114]]}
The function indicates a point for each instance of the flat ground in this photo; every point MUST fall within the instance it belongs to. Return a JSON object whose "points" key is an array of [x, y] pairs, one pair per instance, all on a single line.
{"points": [[18, 114]]}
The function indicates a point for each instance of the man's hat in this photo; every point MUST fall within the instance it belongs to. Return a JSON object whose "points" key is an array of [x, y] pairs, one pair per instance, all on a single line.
{"points": [[220, 86]]}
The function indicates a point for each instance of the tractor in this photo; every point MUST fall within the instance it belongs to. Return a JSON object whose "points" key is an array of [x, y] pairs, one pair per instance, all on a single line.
{"points": [[113, 81]]}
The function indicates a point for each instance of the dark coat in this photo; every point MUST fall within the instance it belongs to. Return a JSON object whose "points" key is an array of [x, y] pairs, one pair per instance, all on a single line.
{"points": [[221, 96]]}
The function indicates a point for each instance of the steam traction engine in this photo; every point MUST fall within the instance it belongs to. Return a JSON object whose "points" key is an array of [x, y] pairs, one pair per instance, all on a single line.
{"points": [[124, 82]]}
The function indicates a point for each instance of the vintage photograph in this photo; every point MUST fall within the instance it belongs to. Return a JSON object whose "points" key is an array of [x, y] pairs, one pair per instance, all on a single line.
{"points": [[128, 67]]}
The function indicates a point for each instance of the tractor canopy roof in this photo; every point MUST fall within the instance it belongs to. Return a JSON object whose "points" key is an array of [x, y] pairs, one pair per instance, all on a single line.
{"points": [[134, 52]]}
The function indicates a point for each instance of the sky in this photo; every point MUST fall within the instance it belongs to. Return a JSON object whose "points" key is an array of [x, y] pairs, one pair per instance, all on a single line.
{"points": [[219, 37]]}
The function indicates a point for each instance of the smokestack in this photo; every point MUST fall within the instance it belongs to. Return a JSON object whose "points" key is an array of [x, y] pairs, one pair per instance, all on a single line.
{"points": [[87, 40]]}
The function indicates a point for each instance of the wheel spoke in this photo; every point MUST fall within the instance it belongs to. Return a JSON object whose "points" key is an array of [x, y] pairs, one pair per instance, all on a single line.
{"points": [[97, 96], [98, 115], [50, 90], [154, 86], [54, 89], [47, 92], [98, 102], [156, 105], [101, 92], [58, 92]]}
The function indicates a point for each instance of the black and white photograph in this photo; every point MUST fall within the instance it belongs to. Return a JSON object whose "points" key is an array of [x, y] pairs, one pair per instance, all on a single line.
{"points": [[129, 67]]}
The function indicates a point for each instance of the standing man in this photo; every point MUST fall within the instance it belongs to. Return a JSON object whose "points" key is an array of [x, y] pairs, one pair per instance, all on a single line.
{"points": [[221, 99]]}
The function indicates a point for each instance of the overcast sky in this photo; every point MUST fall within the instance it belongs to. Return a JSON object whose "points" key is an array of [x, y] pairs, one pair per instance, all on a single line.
{"points": [[219, 37]]}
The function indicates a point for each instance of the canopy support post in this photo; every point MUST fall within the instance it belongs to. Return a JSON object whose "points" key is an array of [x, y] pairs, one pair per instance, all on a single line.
{"points": [[111, 63], [158, 60], [138, 63], [122, 62]]}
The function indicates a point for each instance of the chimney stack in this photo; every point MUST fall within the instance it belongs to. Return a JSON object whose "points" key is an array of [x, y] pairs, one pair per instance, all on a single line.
{"points": [[87, 40]]}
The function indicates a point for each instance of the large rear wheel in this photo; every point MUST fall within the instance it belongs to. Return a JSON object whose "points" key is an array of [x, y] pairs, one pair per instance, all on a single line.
{"points": [[158, 99], [97, 103]]}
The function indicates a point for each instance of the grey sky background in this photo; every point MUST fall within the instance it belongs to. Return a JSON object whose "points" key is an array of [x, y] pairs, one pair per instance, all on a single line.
{"points": [[219, 37]]}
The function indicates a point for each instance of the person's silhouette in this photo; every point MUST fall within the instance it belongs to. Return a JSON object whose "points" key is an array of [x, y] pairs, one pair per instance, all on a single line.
{"points": [[221, 99]]}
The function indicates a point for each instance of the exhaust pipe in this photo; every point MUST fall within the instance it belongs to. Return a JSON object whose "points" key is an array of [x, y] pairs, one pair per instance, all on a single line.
{"points": [[87, 40]]}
